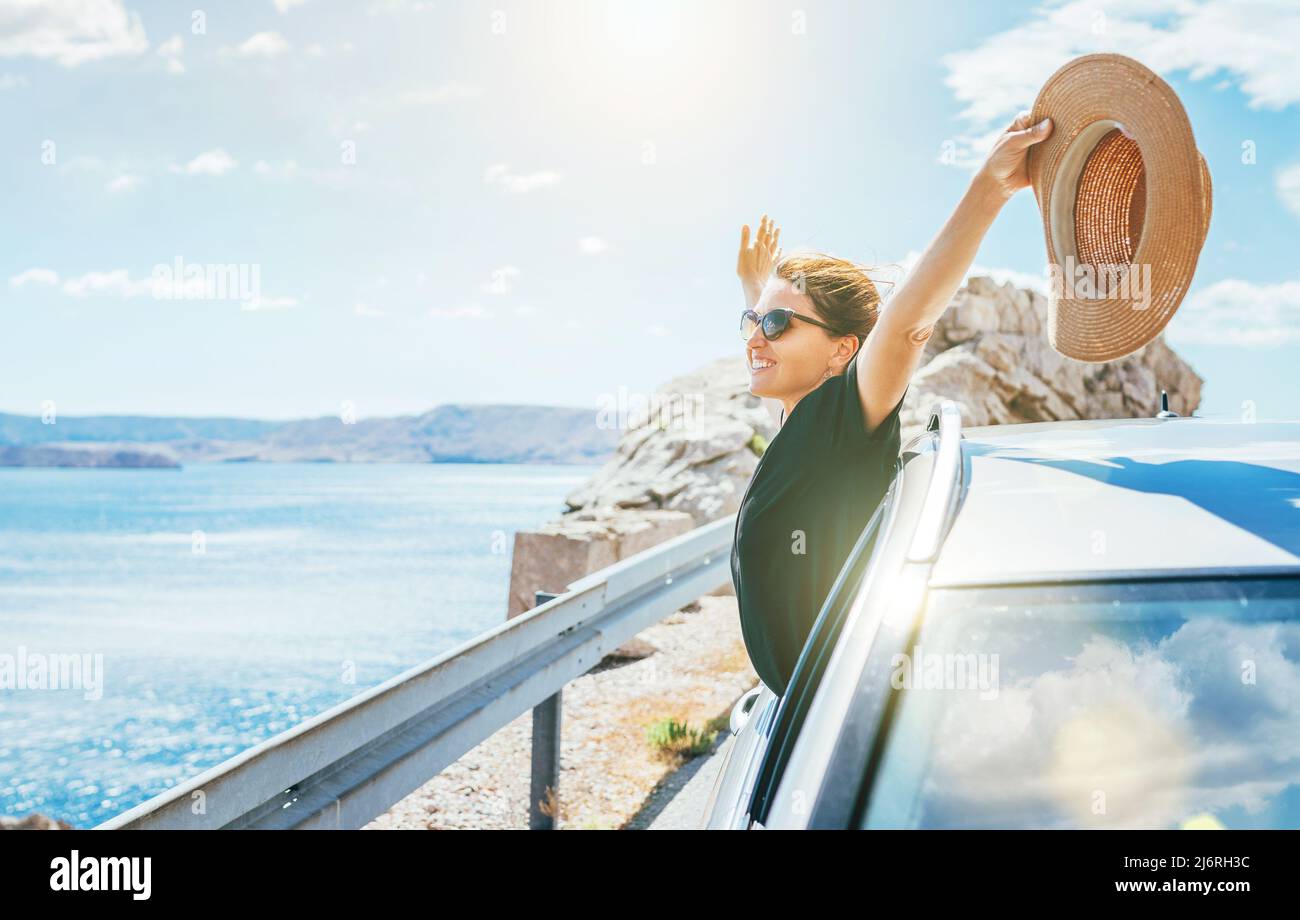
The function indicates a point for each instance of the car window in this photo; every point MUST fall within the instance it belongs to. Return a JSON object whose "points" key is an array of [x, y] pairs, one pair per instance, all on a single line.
{"points": [[813, 659], [1156, 705]]}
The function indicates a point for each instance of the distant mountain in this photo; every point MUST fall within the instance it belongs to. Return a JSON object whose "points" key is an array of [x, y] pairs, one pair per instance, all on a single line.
{"points": [[25, 429], [447, 434], [85, 455]]}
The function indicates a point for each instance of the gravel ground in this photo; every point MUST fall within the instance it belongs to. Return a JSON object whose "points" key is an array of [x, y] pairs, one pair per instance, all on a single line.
{"points": [[608, 771], [678, 803]]}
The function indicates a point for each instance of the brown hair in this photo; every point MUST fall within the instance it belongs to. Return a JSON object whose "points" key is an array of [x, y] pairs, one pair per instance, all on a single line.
{"points": [[845, 297]]}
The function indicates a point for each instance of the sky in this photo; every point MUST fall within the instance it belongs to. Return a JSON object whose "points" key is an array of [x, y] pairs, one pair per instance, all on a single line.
{"points": [[540, 201]]}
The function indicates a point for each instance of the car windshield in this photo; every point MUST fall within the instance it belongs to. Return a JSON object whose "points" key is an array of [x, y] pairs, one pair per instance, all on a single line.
{"points": [[1171, 704]]}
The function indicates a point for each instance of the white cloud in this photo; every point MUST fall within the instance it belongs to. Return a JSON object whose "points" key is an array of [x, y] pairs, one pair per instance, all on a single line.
{"points": [[290, 171], [347, 128], [501, 280], [1165, 726], [84, 163], [34, 276], [119, 283], [116, 283], [1039, 283], [1288, 187], [69, 32], [1241, 313], [268, 303], [499, 175], [439, 95], [1249, 42], [891, 274], [124, 183], [364, 309], [111, 283], [400, 6], [211, 163], [263, 45], [170, 51], [464, 311], [284, 6], [12, 81], [592, 246], [286, 170]]}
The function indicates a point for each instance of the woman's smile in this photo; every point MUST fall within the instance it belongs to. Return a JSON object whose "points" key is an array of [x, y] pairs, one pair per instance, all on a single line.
{"points": [[758, 364]]}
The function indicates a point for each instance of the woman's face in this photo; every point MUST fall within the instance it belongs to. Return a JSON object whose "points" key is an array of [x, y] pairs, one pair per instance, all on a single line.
{"points": [[796, 362]]}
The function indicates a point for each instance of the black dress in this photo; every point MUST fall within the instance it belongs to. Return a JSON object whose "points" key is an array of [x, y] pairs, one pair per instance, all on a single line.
{"points": [[813, 491]]}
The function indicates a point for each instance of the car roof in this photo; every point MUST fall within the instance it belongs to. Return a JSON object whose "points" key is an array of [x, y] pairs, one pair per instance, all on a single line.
{"points": [[1099, 499]]}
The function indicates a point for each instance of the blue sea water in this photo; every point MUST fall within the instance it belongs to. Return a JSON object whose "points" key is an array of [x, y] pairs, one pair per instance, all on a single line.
{"points": [[230, 602]]}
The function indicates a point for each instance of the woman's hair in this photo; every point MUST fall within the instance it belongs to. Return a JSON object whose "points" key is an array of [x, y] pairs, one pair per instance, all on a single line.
{"points": [[845, 297]]}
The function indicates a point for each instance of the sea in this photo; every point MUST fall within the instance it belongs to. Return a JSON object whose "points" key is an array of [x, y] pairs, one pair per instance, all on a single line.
{"points": [[221, 604]]}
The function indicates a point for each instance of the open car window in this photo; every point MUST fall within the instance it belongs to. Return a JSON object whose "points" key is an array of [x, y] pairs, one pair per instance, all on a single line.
{"points": [[1143, 705], [813, 659]]}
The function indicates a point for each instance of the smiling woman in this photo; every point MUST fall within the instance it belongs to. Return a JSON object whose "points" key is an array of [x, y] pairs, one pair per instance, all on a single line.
{"points": [[817, 481], [817, 343]]}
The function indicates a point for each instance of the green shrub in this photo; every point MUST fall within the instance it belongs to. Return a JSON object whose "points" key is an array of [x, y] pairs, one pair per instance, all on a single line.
{"points": [[678, 739]]}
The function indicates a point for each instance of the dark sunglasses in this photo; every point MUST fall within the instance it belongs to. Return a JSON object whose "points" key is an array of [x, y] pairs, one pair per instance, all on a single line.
{"points": [[774, 322]]}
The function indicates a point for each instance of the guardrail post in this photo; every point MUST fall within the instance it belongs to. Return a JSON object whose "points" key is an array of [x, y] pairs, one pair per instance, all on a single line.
{"points": [[543, 795]]}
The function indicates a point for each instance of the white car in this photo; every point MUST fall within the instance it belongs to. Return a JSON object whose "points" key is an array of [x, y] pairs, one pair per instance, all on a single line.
{"points": [[1051, 625]]}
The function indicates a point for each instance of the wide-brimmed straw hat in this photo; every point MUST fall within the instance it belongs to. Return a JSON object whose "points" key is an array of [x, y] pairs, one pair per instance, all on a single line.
{"points": [[1125, 198]]}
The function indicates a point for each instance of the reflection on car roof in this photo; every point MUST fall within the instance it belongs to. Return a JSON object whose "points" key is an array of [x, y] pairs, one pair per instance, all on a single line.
{"points": [[1052, 499]]}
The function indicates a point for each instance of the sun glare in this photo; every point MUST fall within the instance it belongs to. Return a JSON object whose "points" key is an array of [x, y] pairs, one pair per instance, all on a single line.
{"points": [[644, 29]]}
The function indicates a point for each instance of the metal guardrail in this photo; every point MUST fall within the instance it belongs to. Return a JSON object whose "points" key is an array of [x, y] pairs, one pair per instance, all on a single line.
{"points": [[351, 763]]}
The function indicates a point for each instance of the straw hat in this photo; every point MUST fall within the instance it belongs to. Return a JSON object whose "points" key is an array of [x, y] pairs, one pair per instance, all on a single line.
{"points": [[1125, 198]]}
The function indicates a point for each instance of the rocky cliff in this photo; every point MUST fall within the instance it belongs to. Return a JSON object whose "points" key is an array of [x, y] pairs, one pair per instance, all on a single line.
{"points": [[989, 352], [33, 822]]}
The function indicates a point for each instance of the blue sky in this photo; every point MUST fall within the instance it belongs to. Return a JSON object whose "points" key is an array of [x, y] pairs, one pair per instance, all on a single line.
{"points": [[539, 202]]}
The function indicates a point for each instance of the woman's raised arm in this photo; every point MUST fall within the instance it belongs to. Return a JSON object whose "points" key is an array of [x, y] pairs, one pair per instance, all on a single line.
{"points": [[893, 350], [755, 261]]}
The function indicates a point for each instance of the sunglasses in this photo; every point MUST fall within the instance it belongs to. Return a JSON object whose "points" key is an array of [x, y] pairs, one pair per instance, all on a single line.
{"points": [[774, 322]]}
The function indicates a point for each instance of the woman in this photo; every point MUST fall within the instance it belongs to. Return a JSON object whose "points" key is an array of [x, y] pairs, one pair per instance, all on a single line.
{"points": [[816, 343]]}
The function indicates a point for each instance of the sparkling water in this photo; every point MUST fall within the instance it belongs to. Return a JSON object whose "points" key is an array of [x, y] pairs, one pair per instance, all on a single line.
{"points": [[228, 602]]}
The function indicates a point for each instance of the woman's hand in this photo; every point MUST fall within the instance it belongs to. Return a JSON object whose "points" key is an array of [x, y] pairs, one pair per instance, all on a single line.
{"points": [[893, 351], [754, 264], [1006, 169]]}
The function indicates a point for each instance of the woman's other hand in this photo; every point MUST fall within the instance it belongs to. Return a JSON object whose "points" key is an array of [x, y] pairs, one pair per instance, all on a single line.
{"points": [[1006, 168], [756, 258]]}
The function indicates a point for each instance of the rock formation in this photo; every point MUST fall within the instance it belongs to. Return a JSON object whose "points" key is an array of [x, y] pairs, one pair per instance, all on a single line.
{"points": [[33, 822]]}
